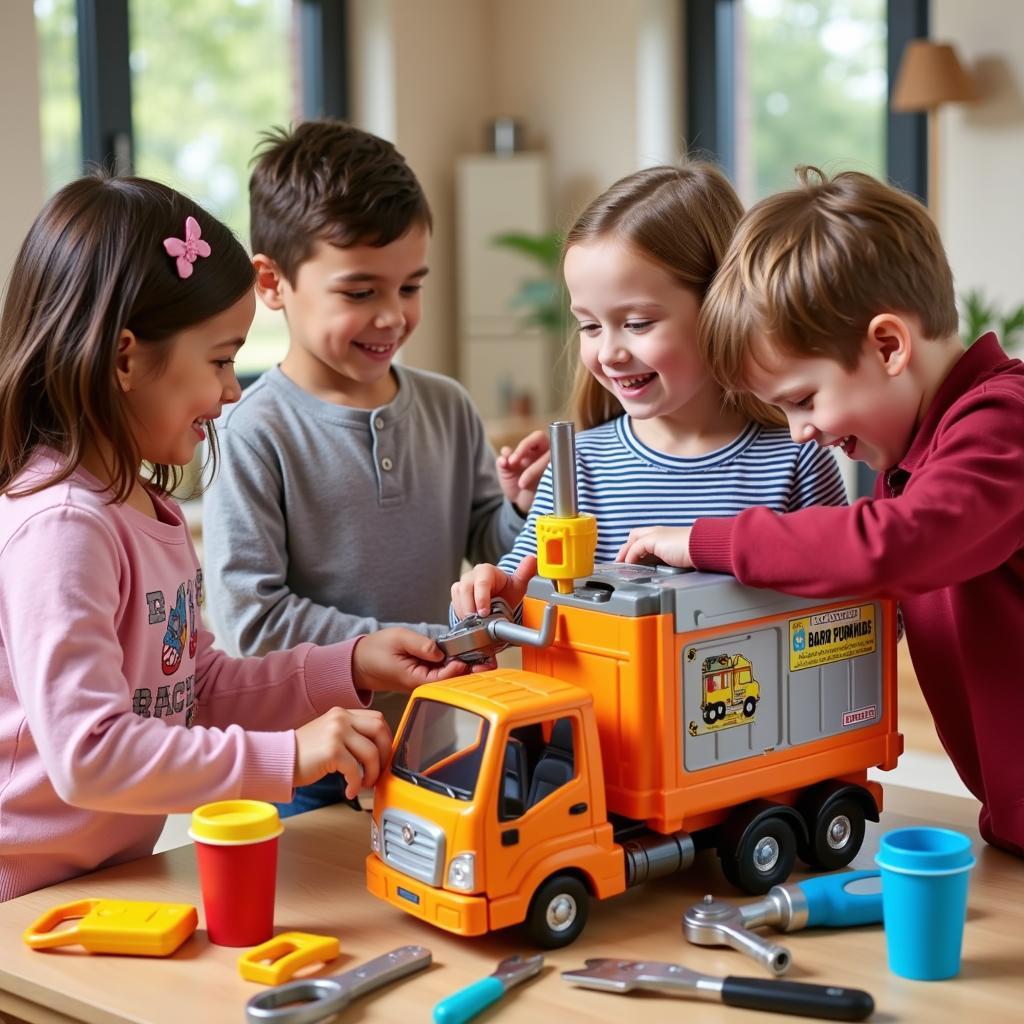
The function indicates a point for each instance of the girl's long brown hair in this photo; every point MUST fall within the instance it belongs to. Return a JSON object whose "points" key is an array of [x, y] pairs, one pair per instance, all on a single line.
{"points": [[680, 218], [93, 265]]}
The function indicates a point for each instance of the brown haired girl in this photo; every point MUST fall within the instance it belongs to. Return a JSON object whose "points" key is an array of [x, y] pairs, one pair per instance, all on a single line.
{"points": [[125, 310], [661, 441]]}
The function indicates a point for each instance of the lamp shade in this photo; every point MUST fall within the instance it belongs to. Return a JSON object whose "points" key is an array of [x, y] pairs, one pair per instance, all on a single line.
{"points": [[930, 74]]}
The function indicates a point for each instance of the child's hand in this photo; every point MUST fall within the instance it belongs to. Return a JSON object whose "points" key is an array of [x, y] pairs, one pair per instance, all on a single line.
{"points": [[398, 659], [520, 470], [473, 593], [355, 743], [670, 544]]}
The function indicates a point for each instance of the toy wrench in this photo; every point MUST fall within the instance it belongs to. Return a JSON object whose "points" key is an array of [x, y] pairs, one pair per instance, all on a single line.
{"points": [[469, 1001], [826, 901], [796, 997], [310, 1000]]}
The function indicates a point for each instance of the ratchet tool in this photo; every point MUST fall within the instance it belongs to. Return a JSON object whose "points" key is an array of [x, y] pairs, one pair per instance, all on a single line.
{"points": [[469, 1001], [796, 997], [826, 901], [310, 1000]]}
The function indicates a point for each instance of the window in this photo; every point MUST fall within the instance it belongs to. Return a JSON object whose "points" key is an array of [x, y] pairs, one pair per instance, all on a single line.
{"points": [[60, 106], [782, 46], [180, 92], [750, 107]]}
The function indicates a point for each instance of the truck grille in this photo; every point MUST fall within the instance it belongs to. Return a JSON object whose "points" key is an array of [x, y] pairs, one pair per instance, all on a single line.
{"points": [[413, 846]]}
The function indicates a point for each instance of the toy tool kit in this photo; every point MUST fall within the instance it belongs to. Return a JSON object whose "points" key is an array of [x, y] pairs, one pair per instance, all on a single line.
{"points": [[658, 712]]}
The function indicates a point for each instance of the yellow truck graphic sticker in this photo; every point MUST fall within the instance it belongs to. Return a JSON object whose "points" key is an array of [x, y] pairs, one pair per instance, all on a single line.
{"points": [[831, 636], [729, 692]]}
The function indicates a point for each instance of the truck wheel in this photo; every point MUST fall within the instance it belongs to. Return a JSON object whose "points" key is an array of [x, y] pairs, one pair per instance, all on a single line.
{"points": [[764, 857], [749, 707], [709, 714], [836, 834], [720, 710], [558, 912]]}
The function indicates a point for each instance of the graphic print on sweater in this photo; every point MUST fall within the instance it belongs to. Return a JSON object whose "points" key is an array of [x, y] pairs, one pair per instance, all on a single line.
{"points": [[175, 636], [182, 628]]}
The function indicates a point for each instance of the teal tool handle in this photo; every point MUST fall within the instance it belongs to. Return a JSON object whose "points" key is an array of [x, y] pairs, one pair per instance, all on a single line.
{"points": [[831, 905], [469, 1001]]}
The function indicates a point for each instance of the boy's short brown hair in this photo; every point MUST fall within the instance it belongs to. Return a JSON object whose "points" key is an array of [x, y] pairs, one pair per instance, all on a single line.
{"points": [[329, 181], [810, 267]]}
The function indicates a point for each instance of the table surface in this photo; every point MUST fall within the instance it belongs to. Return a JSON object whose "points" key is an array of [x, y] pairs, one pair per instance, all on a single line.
{"points": [[321, 889]]}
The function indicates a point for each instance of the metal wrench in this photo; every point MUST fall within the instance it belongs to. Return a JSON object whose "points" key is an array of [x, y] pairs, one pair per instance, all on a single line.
{"points": [[796, 997], [826, 901], [310, 1000]]}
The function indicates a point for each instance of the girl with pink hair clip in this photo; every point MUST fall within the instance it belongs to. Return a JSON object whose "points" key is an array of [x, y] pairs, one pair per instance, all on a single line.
{"points": [[124, 313]]}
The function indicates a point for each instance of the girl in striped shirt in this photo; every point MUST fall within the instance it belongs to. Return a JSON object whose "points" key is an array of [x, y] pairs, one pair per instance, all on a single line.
{"points": [[660, 443]]}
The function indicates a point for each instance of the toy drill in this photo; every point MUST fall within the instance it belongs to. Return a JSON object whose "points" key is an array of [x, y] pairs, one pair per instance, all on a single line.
{"points": [[566, 539]]}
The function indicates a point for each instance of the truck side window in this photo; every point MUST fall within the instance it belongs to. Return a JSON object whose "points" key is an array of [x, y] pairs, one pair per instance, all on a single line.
{"points": [[513, 780], [534, 768], [555, 767]]}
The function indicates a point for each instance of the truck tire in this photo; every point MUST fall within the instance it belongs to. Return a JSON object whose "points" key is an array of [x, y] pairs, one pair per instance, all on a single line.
{"points": [[763, 857], [558, 912], [836, 834], [720, 710], [709, 714], [749, 707]]}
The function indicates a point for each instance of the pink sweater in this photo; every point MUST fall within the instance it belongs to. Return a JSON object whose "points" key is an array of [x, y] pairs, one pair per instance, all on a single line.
{"points": [[115, 708], [945, 535]]}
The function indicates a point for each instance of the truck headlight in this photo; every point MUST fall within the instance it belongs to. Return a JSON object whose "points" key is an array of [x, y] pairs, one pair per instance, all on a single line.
{"points": [[462, 872], [374, 836]]}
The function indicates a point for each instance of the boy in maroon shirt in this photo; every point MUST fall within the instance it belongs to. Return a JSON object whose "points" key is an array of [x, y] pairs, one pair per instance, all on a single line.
{"points": [[835, 302]]}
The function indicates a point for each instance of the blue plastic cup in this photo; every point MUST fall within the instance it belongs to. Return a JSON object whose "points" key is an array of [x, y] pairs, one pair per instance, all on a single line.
{"points": [[924, 900]]}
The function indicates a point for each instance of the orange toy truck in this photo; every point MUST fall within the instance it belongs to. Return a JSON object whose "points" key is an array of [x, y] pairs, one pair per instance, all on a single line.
{"points": [[657, 712]]}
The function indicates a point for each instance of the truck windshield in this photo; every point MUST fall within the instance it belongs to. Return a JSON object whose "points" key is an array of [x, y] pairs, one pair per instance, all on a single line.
{"points": [[441, 748]]}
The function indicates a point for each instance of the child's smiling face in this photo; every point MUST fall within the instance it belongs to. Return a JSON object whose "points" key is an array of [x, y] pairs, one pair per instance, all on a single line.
{"points": [[869, 412], [637, 326], [171, 405], [349, 311]]}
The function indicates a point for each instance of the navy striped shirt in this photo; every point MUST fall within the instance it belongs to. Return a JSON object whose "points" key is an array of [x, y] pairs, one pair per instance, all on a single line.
{"points": [[626, 484]]}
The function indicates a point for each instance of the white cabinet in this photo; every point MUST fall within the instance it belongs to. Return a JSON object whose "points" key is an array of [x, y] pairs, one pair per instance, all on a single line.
{"points": [[500, 359]]}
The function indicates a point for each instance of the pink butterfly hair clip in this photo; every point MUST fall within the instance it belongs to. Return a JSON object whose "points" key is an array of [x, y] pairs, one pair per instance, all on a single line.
{"points": [[186, 250]]}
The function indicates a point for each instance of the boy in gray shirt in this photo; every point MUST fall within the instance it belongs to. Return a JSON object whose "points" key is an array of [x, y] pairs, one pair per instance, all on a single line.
{"points": [[350, 489]]}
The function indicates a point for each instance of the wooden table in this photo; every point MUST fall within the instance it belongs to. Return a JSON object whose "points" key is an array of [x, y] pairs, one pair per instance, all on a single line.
{"points": [[321, 889]]}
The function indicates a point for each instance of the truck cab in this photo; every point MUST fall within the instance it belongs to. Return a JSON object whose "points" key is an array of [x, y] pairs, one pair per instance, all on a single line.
{"points": [[495, 786]]}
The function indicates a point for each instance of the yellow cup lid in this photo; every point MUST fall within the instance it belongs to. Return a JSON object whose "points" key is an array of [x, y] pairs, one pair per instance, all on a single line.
{"points": [[234, 822]]}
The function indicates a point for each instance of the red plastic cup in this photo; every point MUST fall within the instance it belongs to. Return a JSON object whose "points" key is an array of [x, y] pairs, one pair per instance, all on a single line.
{"points": [[236, 847]]}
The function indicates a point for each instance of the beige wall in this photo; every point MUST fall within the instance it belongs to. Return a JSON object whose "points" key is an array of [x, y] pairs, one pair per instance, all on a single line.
{"points": [[596, 83], [981, 212], [419, 78], [22, 192]]}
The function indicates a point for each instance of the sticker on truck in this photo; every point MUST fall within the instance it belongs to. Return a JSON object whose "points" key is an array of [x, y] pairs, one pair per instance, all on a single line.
{"points": [[831, 636]]}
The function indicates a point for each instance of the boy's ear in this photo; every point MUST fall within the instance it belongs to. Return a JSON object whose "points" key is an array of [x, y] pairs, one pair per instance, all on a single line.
{"points": [[890, 340], [128, 361], [269, 280]]}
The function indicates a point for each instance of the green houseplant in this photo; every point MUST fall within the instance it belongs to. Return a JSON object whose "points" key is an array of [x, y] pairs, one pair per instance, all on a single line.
{"points": [[978, 315], [541, 298]]}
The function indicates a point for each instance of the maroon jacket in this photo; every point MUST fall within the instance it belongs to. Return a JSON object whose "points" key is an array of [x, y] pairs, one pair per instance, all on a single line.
{"points": [[944, 534]]}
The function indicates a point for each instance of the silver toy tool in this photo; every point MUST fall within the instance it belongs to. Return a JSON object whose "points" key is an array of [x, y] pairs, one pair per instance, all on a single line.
{"points": [[796, 997], [469, 1001], [826, 901], [310, 1000], [476, 638]]}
